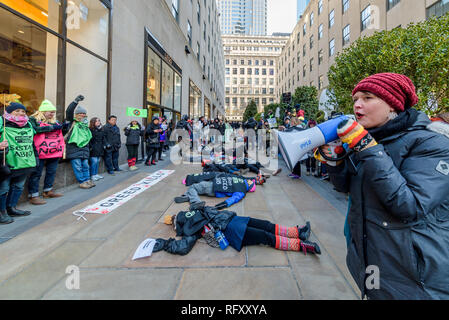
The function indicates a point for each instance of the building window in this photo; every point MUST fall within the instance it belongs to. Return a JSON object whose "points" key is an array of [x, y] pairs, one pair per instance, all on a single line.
{"points": [[304, 50], [304, 29], [311, 19], [311, 41], [331, 47], [198, 51], [198, 13], [298, 37], [320, 31], [345, 5], [175, 9], [346, 35], [320, 82], [438, 9], [189, 33], [331, 18], [304, 71], [234, 70], [320, 56], [320, 7], [249, 71], [365, 17], [392, 3], [242, 70], [167, 86], [311, 64]]}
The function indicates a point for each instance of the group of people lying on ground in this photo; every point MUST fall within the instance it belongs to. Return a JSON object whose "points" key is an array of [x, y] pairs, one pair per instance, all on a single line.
{"points": [[227, 181]]}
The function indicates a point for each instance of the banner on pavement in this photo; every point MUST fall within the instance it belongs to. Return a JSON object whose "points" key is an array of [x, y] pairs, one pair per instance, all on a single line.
{"points": [[114, 201]]}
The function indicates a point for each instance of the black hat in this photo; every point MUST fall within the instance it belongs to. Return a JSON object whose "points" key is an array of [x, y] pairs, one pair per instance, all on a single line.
{"points": [[14, 106]]}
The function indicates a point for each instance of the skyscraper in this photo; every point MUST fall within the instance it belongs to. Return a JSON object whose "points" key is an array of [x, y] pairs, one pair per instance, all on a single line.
{"points": [[300, 7], [245, 17]]}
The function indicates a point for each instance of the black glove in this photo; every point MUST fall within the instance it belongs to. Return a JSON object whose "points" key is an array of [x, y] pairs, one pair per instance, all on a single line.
{"points": [[79, 98], [221, 205], [57, 126], [160, 245]]}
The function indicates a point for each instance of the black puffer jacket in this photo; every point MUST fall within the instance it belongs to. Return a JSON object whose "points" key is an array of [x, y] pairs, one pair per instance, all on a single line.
{"points": [[151, 137], [133, 136], [189, 225], [398, 218]]}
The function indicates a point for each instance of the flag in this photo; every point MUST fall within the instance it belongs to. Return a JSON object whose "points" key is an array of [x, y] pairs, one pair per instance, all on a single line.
{"points": [[134, 112]]}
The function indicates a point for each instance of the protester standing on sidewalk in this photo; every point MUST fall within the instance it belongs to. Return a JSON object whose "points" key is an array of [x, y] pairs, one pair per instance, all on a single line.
{"points": [[162, 138], [152, 140], [113, 145], [311, 161], [77, 142], [133, 132], [49, 143], [398, 181], [97, 146], [20, 158]]}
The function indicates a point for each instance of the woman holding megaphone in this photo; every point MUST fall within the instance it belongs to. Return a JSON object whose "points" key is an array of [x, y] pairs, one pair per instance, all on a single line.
{"points": [[397, 176]]}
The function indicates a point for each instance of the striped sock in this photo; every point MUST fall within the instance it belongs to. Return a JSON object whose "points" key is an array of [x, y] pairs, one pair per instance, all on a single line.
{"points": [[289, 232], [288, 244]]}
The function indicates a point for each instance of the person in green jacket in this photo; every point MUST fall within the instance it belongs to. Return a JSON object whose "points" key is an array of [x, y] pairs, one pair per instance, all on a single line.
{"points": [[16, 134]]}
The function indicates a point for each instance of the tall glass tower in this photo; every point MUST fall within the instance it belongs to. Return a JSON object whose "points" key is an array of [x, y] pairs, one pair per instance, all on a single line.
{"points": [[301, 5], [247, 17]]}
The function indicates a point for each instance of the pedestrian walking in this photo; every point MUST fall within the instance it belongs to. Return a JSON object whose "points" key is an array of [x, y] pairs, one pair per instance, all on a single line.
{"points": [[49, 143], [398, 181]]}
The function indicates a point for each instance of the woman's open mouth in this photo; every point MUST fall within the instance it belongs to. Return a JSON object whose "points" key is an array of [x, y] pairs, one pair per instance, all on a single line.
{"points": [[359, 115]]}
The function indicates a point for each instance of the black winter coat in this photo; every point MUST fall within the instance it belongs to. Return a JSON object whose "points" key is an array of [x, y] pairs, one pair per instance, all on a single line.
{"points": [[97, 143], [189, 225], [151, 137], [133, 136], [399, 213], [112, 134]]}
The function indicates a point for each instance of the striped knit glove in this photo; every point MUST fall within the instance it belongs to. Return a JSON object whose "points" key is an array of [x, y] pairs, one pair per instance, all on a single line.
{"points": [[355, 135]]}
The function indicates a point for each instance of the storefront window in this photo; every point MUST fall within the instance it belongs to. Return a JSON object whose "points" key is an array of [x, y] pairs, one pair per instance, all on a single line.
{"points": [[28, 61], [178, 86], [88, 25], [153, 78], [194, 101], [46, 12], [167, 86], [87, 75]]}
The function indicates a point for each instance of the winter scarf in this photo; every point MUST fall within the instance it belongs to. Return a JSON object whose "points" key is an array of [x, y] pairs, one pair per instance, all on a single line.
{"points": [[21, 121], [403, 121]]}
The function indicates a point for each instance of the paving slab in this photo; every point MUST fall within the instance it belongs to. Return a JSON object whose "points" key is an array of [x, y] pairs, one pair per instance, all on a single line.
{"points": [[201, 255], [238, 284], [40, 276], [120, 245], [149, 284]]}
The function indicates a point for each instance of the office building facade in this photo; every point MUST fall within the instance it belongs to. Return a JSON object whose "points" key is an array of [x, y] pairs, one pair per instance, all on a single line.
{"points": [[245, 17], [329, 26], [250, 72]]}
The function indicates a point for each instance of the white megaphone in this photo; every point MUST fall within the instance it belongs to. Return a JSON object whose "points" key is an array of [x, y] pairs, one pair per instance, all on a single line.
{"points": [[295, 143]]}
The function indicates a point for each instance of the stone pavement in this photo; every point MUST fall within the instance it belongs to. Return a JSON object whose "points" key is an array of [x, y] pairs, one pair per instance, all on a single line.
{"points": [[34, 257]]}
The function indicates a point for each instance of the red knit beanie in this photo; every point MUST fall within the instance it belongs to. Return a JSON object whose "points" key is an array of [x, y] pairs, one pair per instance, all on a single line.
{"points": [[395, 89]]}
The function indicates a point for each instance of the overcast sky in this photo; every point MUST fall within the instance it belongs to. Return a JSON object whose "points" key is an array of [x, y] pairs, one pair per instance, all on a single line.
{"points": [[281, 16]]}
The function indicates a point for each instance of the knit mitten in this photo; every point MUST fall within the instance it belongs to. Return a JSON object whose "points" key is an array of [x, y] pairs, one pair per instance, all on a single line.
{"points": [[355, 135]]}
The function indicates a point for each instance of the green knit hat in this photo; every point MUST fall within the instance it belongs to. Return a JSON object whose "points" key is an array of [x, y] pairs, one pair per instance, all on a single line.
{"points": [[46, 105]]}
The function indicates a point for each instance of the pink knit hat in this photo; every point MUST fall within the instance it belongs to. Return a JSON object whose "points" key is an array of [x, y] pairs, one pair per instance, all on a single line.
{"points": [[395, 89]]}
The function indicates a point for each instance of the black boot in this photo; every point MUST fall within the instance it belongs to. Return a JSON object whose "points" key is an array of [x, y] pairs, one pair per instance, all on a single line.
{"points": [[5, 218], [304, 231], [182, 199], [14, 212], [197, 205]]}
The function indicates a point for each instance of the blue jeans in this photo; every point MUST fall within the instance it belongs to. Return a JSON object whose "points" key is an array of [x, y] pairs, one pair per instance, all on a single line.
{"points": [[111, 160], [94, 164], [50, 174], [11, 190], [81, 169]]}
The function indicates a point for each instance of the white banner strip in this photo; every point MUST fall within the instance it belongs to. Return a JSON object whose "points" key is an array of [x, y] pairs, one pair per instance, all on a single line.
{"points": [[114, 201]]}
